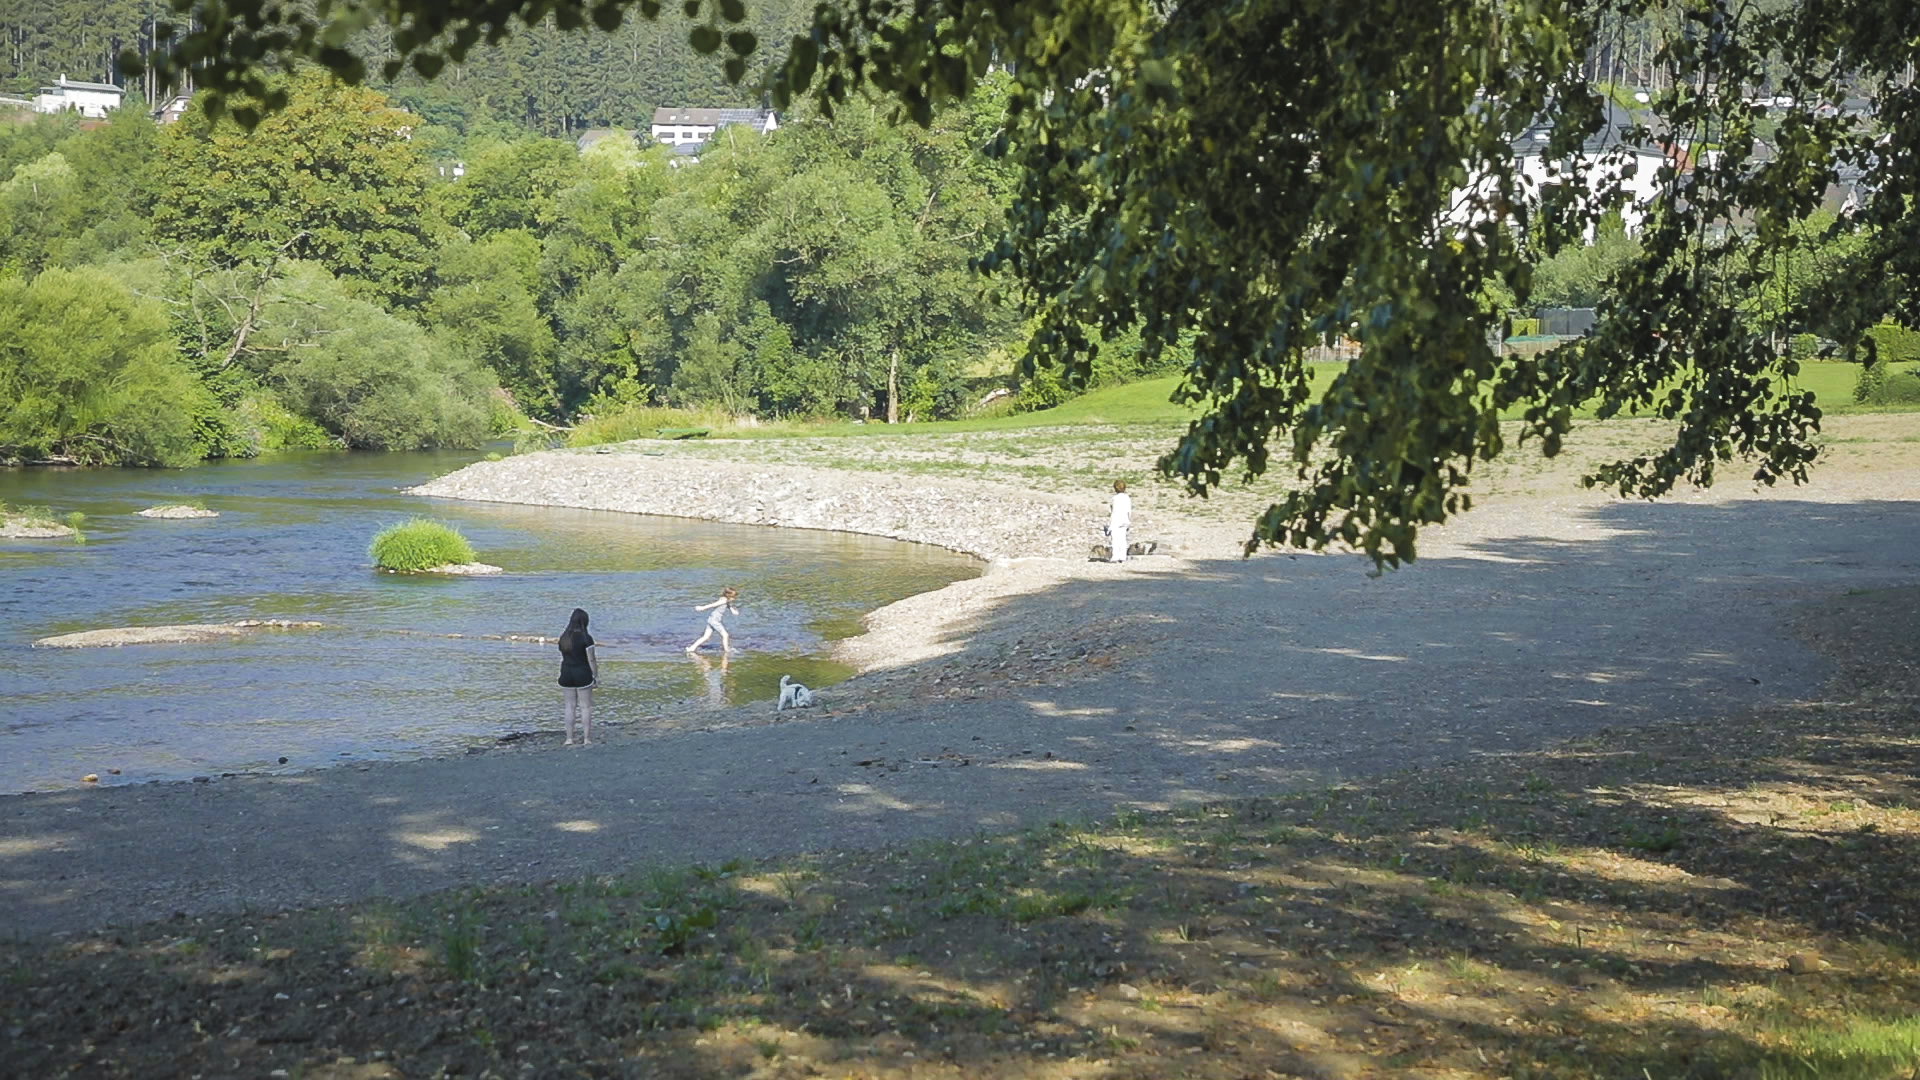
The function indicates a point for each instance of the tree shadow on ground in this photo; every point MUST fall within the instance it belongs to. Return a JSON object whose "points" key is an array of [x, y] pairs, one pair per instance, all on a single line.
{"points": [[1727, 896]]}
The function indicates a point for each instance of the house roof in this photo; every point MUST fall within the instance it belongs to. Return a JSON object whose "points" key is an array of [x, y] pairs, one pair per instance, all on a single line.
{"points": [[709, 117], [64, 83], [1615, 133]]}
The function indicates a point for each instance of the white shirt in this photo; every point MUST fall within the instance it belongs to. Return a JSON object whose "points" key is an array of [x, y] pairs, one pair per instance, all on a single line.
{"points": [[1121, 515]]}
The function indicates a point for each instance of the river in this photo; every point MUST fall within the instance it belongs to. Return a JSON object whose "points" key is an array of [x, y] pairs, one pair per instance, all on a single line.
{"points": [[385, 679]]}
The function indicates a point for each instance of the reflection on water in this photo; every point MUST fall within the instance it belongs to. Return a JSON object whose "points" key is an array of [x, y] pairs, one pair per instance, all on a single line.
{"points": [[407, 665]]}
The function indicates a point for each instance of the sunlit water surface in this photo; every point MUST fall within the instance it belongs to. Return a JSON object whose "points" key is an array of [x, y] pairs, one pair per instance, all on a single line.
{"points": [[384, 680]]}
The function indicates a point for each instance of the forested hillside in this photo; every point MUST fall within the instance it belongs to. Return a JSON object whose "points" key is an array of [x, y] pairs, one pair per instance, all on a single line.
{"points": [[542, 80], [320, 282]]}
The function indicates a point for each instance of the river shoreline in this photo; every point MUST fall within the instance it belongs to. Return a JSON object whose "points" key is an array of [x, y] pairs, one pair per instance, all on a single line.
{"points": [[1029, 541], [985, 520]]}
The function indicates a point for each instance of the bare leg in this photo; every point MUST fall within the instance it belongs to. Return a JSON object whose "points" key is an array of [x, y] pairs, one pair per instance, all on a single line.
{"points": [[586, 716], [726, 643], [568, 697], [703, 639]]}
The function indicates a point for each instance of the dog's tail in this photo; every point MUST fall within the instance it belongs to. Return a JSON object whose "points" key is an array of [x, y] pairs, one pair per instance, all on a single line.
{"points": [[784, 680]]}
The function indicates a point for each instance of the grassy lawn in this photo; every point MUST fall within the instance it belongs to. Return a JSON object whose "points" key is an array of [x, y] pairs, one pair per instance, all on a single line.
{"points": [[1658, 902], [1134, 405]]}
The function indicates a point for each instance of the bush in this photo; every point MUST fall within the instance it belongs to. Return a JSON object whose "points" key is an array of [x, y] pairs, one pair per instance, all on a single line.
{"points": [[1895, 344], [641, 422], [262, 425], [1880, 384], [372, 380], [90, 372], [419, 544]]}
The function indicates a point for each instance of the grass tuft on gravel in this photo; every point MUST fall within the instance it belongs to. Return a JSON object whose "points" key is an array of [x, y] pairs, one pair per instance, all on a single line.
{"points": [[419, 544]]}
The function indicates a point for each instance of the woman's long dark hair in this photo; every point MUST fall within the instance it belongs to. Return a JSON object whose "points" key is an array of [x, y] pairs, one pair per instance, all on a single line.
{"points": [[576, 628]]}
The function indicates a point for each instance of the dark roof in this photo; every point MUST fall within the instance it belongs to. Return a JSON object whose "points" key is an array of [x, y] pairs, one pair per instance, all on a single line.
{"points": [[64, 83], [708, 117], [1615, 133]]}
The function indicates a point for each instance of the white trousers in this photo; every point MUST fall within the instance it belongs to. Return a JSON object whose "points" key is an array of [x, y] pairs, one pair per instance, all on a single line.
{"points": [[1118, 535]]}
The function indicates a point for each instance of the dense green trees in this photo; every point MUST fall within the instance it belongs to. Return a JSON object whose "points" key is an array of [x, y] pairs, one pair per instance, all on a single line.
{"points": [[323, 283], [1250, 179], [90, 373], [332, 178], [544, 79]]}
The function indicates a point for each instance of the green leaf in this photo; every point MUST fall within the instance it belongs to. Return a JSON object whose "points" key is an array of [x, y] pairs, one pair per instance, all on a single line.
{"points": [[704, 39], [733, 10]]}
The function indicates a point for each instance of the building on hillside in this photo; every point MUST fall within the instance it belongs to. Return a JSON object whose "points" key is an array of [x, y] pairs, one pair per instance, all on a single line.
{"points": [[174, 108], [1608, 154], [89, 99], [694, 127]]}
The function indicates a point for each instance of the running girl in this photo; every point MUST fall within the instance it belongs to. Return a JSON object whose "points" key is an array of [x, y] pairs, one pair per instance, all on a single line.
{"points": [[714, 611]]}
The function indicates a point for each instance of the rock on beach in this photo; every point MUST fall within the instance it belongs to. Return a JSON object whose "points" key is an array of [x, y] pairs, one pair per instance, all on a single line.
{"points": [[176, 513], [179, 633], [18, 530]]}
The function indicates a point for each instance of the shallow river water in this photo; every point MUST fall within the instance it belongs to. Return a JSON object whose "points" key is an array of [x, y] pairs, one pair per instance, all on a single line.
{"points": [[383, 679]]}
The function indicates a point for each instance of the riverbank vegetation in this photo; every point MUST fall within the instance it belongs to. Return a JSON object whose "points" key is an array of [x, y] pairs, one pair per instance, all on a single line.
{"points": [[419, 544], [377, 300], [1658, 901]]}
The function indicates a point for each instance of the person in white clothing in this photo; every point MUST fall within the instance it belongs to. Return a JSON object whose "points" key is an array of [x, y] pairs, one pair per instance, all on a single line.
{"points": [[1119, 517]]}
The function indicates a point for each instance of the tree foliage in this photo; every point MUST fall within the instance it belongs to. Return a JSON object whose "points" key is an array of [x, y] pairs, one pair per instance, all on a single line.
{"points": [[331, 177], [1254, 178], [90, 373]]}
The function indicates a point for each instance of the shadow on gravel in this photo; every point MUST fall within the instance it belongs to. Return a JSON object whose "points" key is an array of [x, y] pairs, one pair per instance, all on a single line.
{"points": [[1721, 896]]}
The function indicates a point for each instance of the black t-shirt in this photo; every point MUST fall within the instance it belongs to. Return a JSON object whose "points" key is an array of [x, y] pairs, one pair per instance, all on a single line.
{"points": [[575, 670]]}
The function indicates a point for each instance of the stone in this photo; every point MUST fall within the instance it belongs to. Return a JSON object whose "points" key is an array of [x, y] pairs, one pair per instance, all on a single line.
{"points": [[470, 569], [1805, 963], [178, 513], [1127, 992], [90, 778]]}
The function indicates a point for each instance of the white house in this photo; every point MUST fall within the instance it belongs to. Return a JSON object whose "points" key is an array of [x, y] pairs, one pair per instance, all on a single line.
{"points": [[1608, 155], [94, 100], [175, 108], [693, 127]]}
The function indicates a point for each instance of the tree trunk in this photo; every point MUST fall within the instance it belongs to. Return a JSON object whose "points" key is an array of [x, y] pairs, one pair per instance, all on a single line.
{"points": [[893, 388]]}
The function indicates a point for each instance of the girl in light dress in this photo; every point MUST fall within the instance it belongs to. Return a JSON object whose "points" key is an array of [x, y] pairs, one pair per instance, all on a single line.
{"points": [[714, 611]]}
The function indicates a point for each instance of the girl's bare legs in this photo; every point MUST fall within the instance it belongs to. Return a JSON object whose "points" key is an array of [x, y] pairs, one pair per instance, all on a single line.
{"points": [[705, 636], [586, 715], [726, 643], [569, 696]]}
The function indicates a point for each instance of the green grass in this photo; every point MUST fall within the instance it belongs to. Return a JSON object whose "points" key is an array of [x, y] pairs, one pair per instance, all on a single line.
{"points": [[1858, 1049], [419, 544], [1142, 403], [35, 516], [647, 422]]}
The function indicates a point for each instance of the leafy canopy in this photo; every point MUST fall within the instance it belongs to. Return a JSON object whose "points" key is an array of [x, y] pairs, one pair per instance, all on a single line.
{"points": [[1248, 179]]}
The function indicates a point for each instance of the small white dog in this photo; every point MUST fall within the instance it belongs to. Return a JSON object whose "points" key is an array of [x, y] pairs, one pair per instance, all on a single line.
{"points": [[793, 695]]}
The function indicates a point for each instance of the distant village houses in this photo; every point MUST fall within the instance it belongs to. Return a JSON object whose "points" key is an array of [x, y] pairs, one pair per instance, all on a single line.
{"points": [[91, 100], [685, 131]]}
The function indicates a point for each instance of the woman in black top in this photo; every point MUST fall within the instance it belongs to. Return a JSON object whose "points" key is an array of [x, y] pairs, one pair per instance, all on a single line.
{"points": [[579, 671]]}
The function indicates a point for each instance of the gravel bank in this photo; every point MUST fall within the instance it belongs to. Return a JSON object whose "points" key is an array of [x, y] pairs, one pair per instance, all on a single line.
{"points": [[990, 521]]}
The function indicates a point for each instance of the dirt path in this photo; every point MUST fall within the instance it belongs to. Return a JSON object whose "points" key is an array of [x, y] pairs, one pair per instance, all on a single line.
{"points": [[1051, 689]]}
